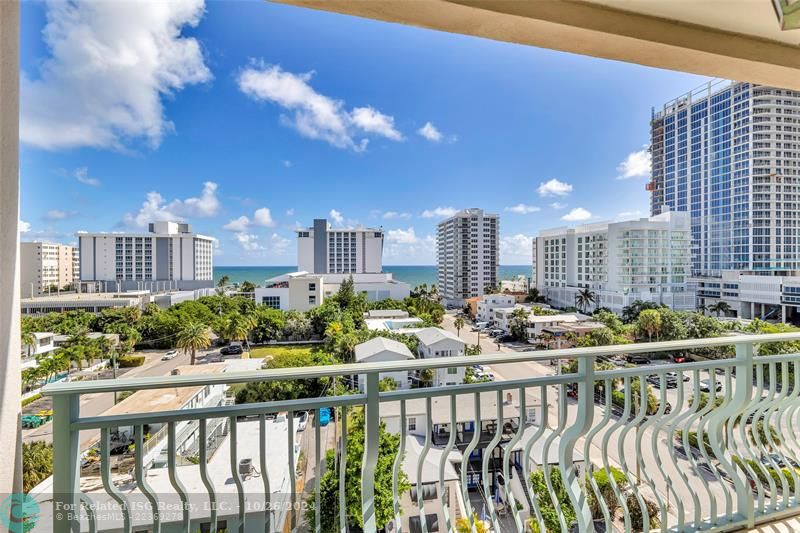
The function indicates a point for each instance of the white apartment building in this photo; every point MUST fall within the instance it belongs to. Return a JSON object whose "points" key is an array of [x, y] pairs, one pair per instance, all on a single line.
{"points": [[322, 249], [170, 255], [44, 265], [645, 259], [488, 304], [301, 291], [468, 255]]}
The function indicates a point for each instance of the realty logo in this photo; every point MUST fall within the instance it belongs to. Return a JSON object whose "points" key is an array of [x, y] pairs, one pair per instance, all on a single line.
{"points": [[19, 512]]}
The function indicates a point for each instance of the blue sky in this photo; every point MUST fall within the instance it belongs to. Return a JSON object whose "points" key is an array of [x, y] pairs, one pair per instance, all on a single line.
{"points": [[248, 119]]}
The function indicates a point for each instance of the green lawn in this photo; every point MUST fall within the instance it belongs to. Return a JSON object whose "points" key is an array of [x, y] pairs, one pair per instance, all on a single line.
{"points": [[278, 351]]}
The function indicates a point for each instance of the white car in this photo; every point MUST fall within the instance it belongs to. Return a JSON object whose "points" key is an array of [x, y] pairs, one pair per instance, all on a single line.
{"points": [[169, 355]]}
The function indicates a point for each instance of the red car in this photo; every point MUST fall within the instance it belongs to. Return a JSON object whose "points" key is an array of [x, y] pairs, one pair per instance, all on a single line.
{"points": [[679, 358]]}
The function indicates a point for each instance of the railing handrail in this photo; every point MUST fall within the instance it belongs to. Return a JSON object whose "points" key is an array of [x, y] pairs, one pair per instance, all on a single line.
{"points": [[313, 372]]}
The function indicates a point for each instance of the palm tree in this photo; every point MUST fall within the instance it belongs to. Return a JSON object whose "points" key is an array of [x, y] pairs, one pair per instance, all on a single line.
{"points": [[584, 298], [194, 336], [458, 323], [720, 308], [223, 281], [28, 339], [650, 321], [237, 327], [702, 308]]}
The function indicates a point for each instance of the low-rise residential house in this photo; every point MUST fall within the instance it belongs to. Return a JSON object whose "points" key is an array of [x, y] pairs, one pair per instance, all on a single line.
{"points": [[436, 342], [424, 476], [440, 418], [44, 342], [503, 316], [489, 304], [472, 305], [538, 323], [383, 350]]}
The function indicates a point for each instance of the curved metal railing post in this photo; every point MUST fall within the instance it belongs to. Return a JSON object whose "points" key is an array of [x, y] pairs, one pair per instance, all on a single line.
{"points": [[569, 442]]}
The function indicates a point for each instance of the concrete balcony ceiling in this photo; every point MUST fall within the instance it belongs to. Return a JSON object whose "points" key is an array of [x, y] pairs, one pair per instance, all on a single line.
{"points": [[734, 39]]}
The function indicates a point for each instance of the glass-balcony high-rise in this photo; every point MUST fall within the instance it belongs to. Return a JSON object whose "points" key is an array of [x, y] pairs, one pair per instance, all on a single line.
{"points": [[729, 153]]}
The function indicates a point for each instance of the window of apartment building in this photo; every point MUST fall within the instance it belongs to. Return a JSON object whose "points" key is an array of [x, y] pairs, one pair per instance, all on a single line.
{"points": [[412, 424], [452, 370], [312, 286], [312, 300], [428, 492], [431, 523], [271, 301]]}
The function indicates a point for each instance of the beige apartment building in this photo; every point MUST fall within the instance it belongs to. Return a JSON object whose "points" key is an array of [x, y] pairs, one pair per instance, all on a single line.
{"points": [[44, 265]]}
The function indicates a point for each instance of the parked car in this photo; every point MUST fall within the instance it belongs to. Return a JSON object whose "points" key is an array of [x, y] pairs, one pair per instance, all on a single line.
{"points": [[680, 358], [214, 358], [675, 376], [302, 420], [232, 349], [638, 359], [506, 338], [705, 385], [670, 381], [169, 355], [324, 416]]}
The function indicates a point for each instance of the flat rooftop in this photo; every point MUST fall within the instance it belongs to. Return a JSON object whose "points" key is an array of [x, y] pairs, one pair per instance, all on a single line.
{"points": [[153, 400]]}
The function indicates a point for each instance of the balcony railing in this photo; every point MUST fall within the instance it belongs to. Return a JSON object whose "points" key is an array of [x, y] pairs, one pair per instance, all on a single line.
{"points": [[717, 447]]}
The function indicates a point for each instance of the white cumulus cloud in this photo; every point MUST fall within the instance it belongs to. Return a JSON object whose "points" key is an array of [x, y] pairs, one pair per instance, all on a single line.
{"points": [[248, 241], [24, 227], [390, 215], [516, 249], [109, 67], [635, 165], [558, 205], [577, 214], [402, 236], [82, 175], [430, 132], [337, 217], [156, 209], [554, 187], [523, 209], [262, 217], [439, 212], [315, 115]]}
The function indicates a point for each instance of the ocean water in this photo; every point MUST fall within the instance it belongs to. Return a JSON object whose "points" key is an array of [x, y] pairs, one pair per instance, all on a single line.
{"points": [[413, 275]]}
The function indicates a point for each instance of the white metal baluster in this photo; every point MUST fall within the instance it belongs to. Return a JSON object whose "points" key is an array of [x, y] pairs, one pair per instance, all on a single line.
{"points": [[508, 452], [526, 458], [443, 496], [562, 422], [488, 451], [605, 446], [784, 412], [108, 484], [292, 469], [398, 464], [141, 476], [207, 483], [650, 425], [621, 441], [570, 438], [706, 416], [675, 431], [465, 462], [607, 387], [776, 447], [173, 476], [317, 476], [343, 474], [694, 414], [370, 461], [91, 517], [421, 463], [237, 478], [743, 447], [262, 442], [754, 440], [667, 421]]}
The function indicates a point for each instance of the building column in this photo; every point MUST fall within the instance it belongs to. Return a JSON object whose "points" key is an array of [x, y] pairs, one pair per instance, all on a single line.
{"points": [[752, 310], [783, 314], [10, 379]]}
